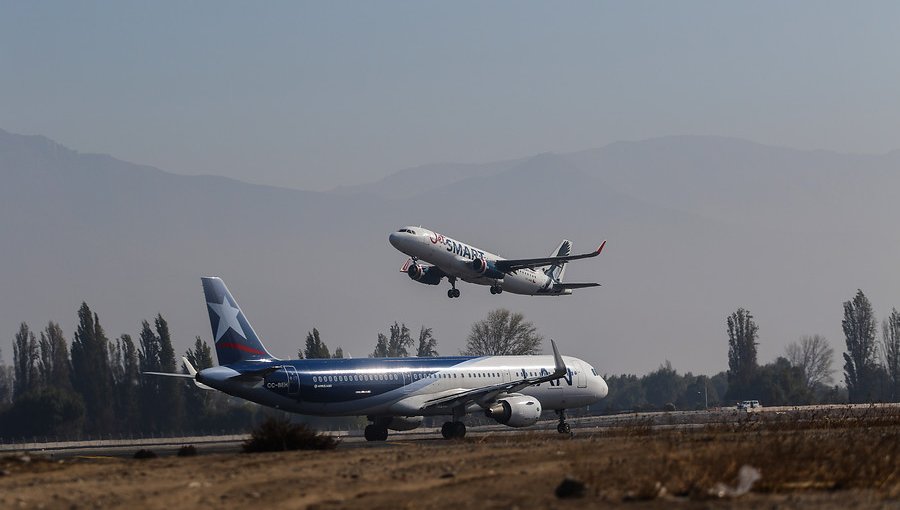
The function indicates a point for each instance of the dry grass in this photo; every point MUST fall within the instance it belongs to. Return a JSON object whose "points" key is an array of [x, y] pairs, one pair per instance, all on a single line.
{"points": [[827, 451]]}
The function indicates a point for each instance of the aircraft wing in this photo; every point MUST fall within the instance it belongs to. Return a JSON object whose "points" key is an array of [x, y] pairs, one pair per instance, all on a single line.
{"points": [[510, 265], [486, 395]]}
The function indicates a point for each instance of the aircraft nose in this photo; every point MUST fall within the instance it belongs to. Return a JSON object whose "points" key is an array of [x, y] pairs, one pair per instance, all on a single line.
{"points": [[602, 388], [394, 239]]}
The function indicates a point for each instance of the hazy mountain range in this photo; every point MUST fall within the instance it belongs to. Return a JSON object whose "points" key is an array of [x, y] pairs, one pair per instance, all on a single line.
{"points": [[697, 226]]}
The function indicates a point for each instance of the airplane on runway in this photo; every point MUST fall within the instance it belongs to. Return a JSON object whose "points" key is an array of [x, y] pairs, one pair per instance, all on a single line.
{"points": [[459, 261], [394, 393]]}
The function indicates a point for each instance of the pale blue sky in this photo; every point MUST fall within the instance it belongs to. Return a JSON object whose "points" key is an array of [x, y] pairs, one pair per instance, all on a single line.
{"points": [[313, 95]]}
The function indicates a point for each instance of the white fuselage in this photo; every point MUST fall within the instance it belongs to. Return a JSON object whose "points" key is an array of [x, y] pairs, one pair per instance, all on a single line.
{"points": [[455, 259], [401, 386]]}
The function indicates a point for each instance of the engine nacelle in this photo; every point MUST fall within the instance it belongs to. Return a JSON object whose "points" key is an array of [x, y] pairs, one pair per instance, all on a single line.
{"points": [[486, 268], [426, 275], [400, 423], [515, 411]]}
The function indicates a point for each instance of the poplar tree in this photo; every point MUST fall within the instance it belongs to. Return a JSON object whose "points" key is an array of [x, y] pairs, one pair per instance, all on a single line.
{"points": [[742, 364], [91, 376], [315, 347], [860, 363], [54, 365], [891, 343], [427, 344], [25, 361]]}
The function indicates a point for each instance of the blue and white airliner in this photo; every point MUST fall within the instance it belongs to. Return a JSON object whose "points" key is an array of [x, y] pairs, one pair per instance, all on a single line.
{"points": [[542, 276], [394, 393]]}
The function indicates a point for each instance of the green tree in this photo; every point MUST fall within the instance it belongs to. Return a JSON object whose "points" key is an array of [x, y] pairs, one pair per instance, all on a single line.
{"points": [[395, 346], [503, 333], [780, 384], [44, 411], [742, 335], [54, 363], [25, 361], [663, 386], [890, 330], [126, 383], [427, 344], [6, 383], [315, 347], [200, 356], [91, 375], [626, 393], [860, 361], [197, 400], [338, 353], [161, 397], [171, 387]]}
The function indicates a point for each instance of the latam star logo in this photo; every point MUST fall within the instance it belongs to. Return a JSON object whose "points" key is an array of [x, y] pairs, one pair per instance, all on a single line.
{"points": [[227, 318]]}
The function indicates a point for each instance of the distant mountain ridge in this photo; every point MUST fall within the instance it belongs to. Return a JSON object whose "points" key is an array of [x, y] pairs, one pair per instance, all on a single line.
{"points": [[697, 226]]}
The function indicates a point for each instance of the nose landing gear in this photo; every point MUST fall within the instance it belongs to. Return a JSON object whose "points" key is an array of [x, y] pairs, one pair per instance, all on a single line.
{"points": [[563, 427], [496, 289]]}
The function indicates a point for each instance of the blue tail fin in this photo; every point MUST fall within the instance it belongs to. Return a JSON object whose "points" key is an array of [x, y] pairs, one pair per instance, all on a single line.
{"points": [[234, 337]]}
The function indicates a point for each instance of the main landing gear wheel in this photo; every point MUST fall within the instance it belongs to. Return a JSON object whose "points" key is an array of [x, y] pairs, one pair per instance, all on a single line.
{"points": [[453, 430], [563, 427], [454, 292], [496, 289], [375, 433]]}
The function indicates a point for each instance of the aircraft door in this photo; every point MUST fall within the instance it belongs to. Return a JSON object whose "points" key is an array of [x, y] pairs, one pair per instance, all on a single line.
{"points": [[293, 380], [581, 376]]}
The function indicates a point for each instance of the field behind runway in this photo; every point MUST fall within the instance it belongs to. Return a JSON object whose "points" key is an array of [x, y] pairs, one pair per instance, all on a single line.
{"points": [[833, 460]]}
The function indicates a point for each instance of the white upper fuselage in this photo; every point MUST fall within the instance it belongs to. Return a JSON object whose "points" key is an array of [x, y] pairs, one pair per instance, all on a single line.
{"points": [[455, 259]]}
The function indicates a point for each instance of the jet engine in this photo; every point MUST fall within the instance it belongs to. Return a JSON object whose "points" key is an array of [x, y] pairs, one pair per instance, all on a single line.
{"points": [[486, 268], [426, 275], [515, 411], [399, 422]]}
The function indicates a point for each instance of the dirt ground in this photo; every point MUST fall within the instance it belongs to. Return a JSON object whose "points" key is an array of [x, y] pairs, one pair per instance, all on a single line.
{"points": [[832, 467]]}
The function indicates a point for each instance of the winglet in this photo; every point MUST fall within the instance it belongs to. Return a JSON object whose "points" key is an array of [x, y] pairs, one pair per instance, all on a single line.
{"points": [[190, 368], [601, 247], [560, 368], [193, 372], [406, 265]]}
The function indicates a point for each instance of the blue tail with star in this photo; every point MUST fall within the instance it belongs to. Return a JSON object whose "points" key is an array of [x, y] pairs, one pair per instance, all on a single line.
{"points": [[234, 337]]}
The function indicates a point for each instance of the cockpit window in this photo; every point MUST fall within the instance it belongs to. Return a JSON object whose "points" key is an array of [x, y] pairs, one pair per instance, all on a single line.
{"points": [[407, 230]]}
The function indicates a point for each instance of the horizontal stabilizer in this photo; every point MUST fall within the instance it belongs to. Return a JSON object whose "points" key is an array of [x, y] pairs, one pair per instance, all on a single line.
{"points": [[574, 285], [167, 374]]}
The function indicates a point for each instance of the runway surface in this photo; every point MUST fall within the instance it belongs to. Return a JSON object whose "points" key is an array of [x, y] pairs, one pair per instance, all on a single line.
{"points": [[354, 439]]}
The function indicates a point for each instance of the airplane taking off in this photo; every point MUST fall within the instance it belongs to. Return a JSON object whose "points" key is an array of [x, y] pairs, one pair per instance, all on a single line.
{"points": [[394, 393], [459, 261]]}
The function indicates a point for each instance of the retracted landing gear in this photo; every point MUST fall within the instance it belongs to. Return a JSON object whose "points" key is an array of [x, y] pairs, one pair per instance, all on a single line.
{"points": [[375, 432], [453, 430], [563, 427], [496, 289], [454, 292]]}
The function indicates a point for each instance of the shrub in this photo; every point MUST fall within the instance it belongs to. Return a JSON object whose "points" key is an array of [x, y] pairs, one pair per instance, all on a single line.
{"points": [[144, 454], [279, 434], [187, 450]]}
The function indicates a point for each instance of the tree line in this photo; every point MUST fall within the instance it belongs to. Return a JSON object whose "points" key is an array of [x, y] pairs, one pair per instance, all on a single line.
{"points": [[94, 385], [803, 375]]}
